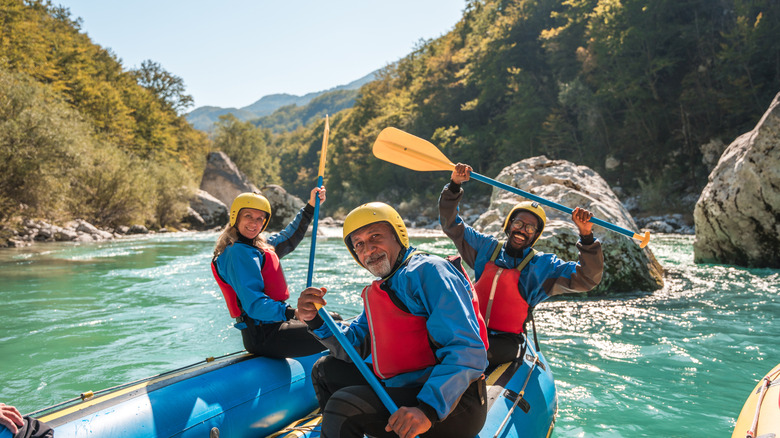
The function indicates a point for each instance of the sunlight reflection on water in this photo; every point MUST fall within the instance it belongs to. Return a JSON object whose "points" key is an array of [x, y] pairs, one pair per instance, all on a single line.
{"points": [[674, 362]]}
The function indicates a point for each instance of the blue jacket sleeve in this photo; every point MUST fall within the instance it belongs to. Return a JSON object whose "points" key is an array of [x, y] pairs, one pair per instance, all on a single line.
{"points": [[240, 266], [285, 241], [547, 275], [355, 332]]}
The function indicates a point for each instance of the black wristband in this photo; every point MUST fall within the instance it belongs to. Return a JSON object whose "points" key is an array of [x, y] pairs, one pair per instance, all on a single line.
{"points": [[588, 239], [454, 187], [429, 412], [315, 323], [289, 313]]}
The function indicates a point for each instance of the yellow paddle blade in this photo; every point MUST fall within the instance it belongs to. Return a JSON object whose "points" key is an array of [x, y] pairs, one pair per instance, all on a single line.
{"points": [[406, 150], [324, 147]]}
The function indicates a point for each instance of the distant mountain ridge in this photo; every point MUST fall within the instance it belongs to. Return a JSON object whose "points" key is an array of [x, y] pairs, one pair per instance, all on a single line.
{"points": [[204, 117]]}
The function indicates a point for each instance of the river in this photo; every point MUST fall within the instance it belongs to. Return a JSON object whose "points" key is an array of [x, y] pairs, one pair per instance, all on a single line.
{"points": [[678, 362]]}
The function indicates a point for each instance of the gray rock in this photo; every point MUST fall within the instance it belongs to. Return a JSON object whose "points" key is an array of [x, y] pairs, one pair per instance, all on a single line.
{"points": [[223, 180], [206, 211], [85, 227], [670, 223], [284, 206], [194, 219], [627, 267], [138, 229], [65, 235], [737, 216], [17, 243], [84, 237]]}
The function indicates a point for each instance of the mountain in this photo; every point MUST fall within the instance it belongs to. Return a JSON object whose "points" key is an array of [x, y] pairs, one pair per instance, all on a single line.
{"points": [[204, 117], [290, 117]]}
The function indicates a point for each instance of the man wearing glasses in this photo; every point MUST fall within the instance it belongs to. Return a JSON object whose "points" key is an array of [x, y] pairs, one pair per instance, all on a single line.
{"points": [[511, 276]]}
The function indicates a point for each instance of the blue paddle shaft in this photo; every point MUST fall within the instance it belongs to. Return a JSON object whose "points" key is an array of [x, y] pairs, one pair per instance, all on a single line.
{"points": [[549, 203], [358, 361], [310, 275]]}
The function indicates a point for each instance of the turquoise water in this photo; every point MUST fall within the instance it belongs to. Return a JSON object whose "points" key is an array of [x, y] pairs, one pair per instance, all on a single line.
{"points": [[675, 362]]}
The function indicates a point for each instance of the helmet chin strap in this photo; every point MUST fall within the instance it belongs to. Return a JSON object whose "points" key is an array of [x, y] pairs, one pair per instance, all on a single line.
{"points": [[399, 261]]}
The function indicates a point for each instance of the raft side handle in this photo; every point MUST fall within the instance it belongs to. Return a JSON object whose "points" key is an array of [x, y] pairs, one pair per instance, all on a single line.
{"points": [[512, 396], [530, 358]]}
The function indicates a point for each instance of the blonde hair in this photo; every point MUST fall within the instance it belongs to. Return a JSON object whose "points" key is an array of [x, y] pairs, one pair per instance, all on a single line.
{"points": [[229, 236]]}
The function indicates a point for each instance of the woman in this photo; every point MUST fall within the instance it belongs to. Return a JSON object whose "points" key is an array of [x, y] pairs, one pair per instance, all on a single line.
{"points": [[246, 267]]}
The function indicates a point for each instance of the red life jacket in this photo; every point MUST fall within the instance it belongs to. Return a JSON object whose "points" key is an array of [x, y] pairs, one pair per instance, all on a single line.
{"points": [[456, 261], [275, 285], [403, 344], [500, 302]]}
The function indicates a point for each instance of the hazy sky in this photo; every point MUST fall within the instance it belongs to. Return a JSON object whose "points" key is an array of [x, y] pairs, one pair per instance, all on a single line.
{"points": [[232, 52]]}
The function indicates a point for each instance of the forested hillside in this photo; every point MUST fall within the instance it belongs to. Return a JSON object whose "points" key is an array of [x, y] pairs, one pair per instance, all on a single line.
{"points": [[81, 136], [634, 89]]}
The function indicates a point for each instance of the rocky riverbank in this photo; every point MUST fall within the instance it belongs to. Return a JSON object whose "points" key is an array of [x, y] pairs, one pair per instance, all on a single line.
{"points": [[31, 231]]}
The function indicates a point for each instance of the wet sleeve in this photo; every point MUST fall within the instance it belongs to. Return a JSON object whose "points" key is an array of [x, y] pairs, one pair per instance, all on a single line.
{"points": [[580, 276], [451, 223], [474, 247], [356, 333], [288, 239]]}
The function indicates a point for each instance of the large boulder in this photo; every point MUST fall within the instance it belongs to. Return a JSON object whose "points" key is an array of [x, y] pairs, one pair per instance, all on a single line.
{"points": [[626, 266], [207, 211], [284, 206], [737, 216], [223, 180]]}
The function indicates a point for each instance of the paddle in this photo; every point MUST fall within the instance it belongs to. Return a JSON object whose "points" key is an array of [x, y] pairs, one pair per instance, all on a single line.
{"points": [[406, 150], [348, 348], [320, 179]]}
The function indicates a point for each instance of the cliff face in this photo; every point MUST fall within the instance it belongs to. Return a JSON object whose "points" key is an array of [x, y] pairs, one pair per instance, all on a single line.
{"points": [[737, 216]]}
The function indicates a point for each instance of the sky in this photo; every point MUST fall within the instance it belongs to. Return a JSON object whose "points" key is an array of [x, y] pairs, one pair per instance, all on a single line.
{"points": [[230, 53]]}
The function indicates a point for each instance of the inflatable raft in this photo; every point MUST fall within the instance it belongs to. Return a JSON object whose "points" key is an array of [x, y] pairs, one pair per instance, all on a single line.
{"points": [[760, 415], [522, 402], [241, 395]]}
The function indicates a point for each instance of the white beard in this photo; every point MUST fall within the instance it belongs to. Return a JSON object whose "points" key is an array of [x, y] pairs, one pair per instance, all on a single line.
{"points": [[380, 267]]}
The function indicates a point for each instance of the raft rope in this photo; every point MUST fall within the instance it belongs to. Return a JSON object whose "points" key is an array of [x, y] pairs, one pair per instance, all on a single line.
{"points": [[300, 427], [519, 396], [767, 382]]}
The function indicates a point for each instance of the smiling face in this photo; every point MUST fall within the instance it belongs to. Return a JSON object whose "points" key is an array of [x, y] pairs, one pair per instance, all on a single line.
{"points": [[376, 247], [519, 231], [250, 222]]}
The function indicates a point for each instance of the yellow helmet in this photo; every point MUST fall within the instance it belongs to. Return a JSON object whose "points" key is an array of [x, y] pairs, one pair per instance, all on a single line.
{"points": [[371, 213], [533, 208], [250, 200]]}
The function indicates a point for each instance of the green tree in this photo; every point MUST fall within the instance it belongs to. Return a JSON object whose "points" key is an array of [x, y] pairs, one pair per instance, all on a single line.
{"points": [[42, 142], [168, 88], [79, 133], [248, 147]]}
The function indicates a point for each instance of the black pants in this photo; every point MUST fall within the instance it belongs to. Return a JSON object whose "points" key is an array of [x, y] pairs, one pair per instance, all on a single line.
{"points": [[34, 429], [503, 347], [351, 408], [281, 339]]}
